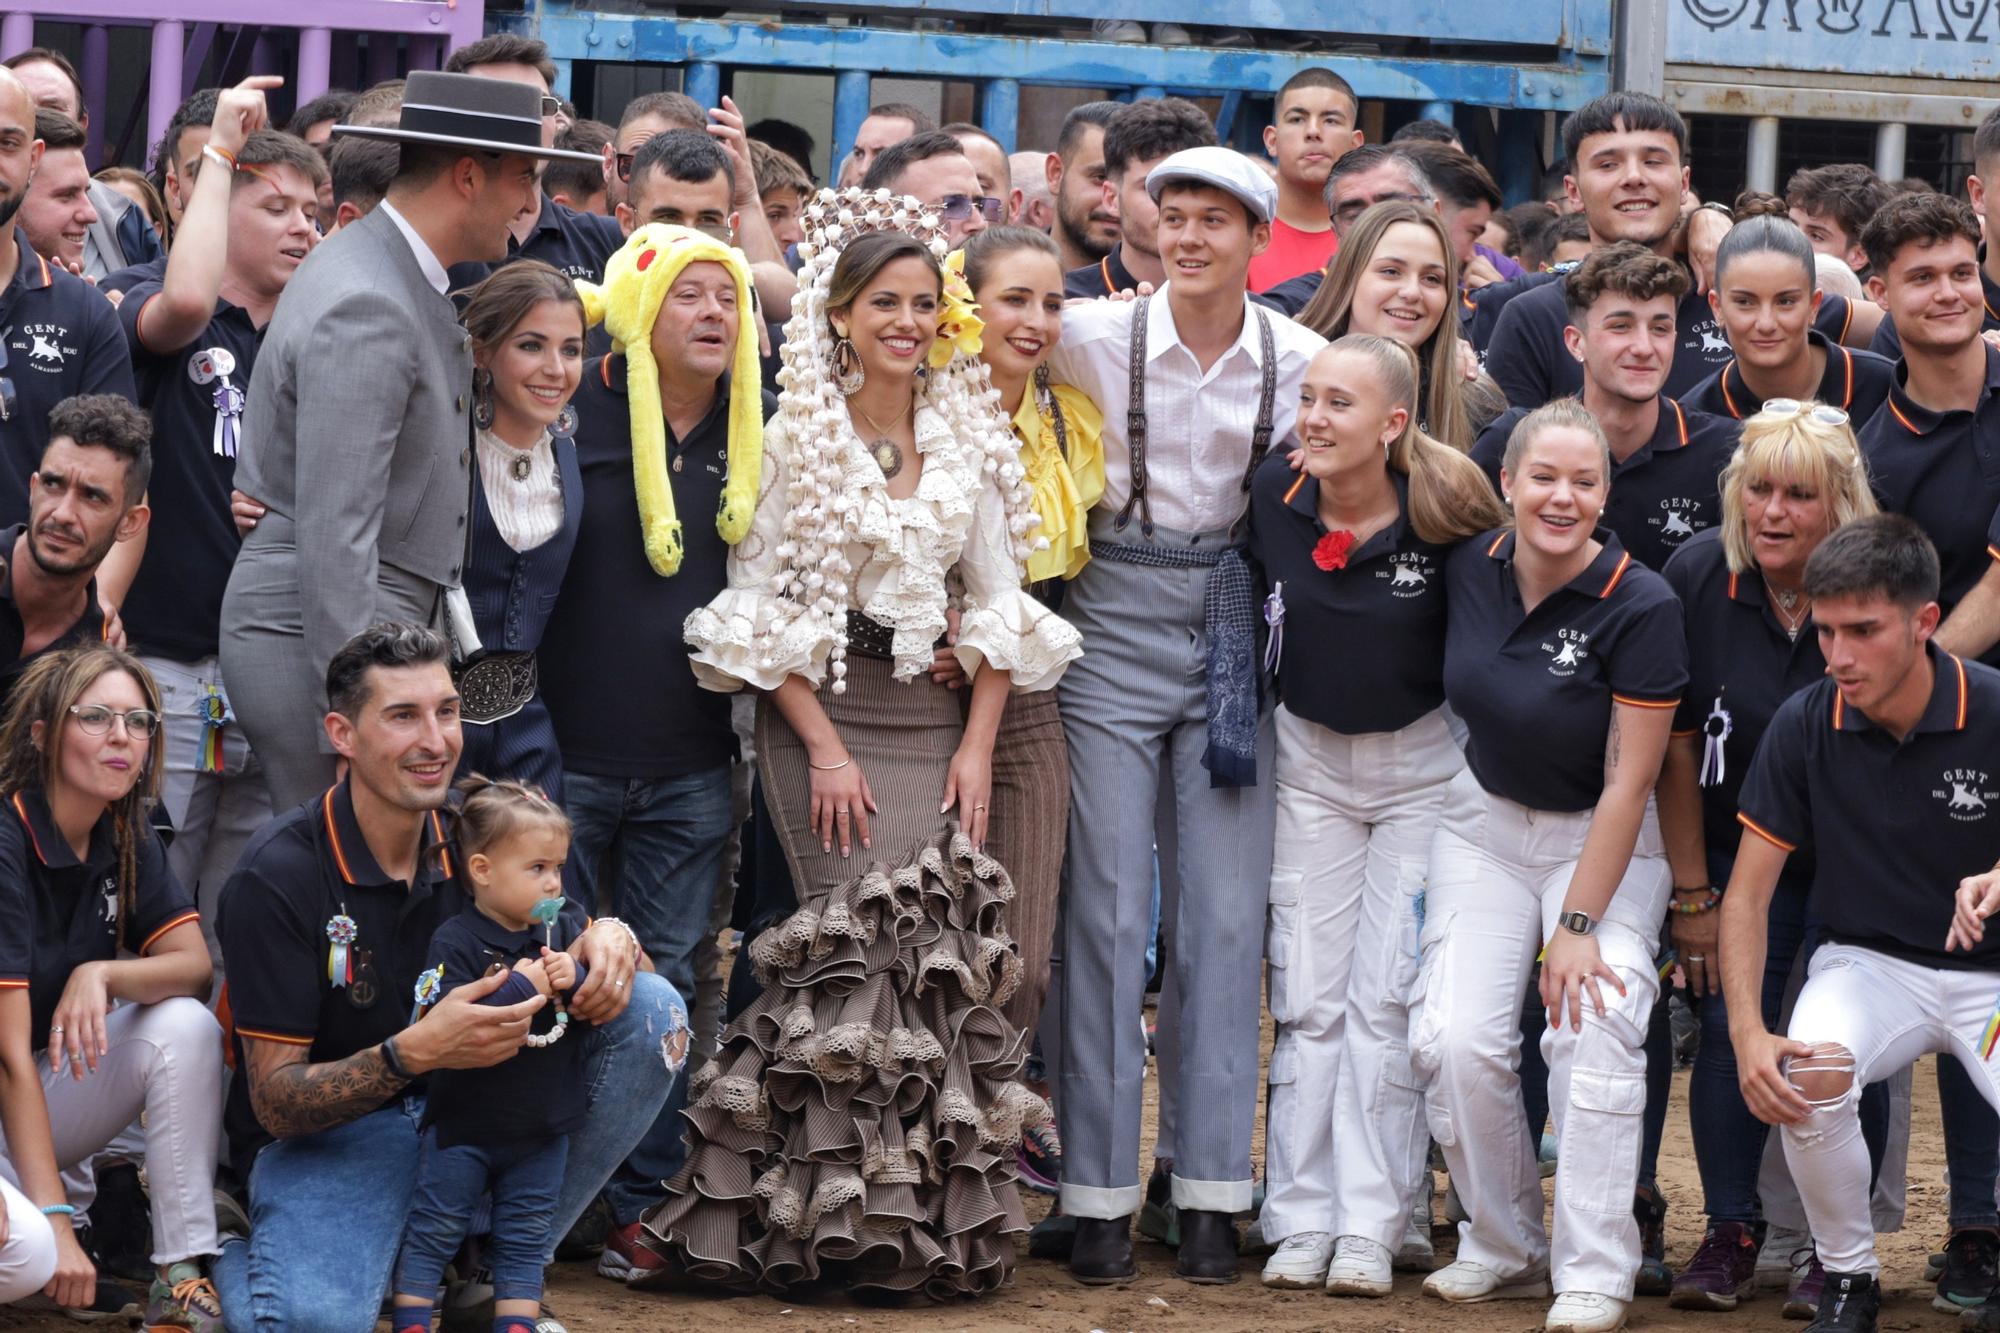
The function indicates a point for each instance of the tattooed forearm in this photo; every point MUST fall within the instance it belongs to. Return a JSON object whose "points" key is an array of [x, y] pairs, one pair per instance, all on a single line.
{"points": [[292, 1097], [1611, 747]]}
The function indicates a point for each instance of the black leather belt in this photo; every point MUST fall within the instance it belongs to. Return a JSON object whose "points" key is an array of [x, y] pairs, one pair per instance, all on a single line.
{"points": [[870, 638], [496, 686]]}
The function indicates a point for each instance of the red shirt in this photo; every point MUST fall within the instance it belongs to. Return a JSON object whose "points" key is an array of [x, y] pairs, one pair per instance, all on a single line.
{"points": [[1291, 253]]}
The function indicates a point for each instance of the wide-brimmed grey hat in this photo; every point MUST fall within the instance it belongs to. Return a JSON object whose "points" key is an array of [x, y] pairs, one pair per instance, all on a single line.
{"points": [[466, 111]]}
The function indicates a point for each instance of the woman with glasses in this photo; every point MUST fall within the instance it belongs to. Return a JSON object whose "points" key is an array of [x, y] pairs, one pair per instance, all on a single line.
{"points": [[869, 1094], [102, 975], [1795, 477], [1766, 297], [527, 326], [1396, 276]]}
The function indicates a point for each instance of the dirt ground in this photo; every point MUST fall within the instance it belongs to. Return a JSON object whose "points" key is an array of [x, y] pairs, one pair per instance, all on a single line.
{"points": [[1043, 1298]]}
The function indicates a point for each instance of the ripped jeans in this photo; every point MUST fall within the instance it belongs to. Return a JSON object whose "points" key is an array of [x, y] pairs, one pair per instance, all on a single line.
{"points": [[327, 1209], [1869, 1015], [1498, 875]]}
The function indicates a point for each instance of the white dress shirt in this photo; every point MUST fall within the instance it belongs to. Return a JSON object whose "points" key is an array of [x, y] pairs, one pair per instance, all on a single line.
{"points": [[427, 259], [1198, 424]]}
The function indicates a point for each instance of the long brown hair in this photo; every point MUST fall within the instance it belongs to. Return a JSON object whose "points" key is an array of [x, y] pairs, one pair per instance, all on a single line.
{"points": [[1450, 498], [1329, 313], [45, 693]]}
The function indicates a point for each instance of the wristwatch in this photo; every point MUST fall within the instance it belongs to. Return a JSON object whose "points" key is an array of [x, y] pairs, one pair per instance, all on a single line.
{"points": [[1577, 923]]}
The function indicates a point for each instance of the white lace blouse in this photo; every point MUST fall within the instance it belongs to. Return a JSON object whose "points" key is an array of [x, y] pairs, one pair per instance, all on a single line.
{"points": [[901, 552], [526, 510]]}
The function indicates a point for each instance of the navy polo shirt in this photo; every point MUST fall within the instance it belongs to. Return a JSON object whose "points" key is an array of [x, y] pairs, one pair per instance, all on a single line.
{"points": [[573, 244], [1664, 493], [58, 912], [537, 1093], [1295, 294], [88, 628], [174, 607], [1390, 596], [614, 662], [1855, 382], [1535, 689], [1479, 312], [1896, 824], [301, 870], [125, 279], [1106, 276], [1528, 360], [1887, 342], [1943, 470], [1741, 667], [61, 338]]}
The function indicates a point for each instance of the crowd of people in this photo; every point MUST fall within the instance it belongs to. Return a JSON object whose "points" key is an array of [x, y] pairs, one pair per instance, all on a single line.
{"points": [[465, 558]]}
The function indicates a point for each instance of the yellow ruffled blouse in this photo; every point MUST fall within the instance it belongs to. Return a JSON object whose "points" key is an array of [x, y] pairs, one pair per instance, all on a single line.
{"points": [[1063, 489]]}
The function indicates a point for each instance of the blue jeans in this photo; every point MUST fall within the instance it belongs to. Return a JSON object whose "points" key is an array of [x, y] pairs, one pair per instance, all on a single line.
{"points": [[525, 1180], [327, 1209], [650, 853]]}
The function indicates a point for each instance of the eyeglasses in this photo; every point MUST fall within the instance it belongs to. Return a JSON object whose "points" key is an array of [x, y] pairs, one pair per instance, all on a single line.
{"points": [[624, 163], [7, 399], [95, 719], [1354, 208], [551, 106], [1824, 414], [958, 207]]}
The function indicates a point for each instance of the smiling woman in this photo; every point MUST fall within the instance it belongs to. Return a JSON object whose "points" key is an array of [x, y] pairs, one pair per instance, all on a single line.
{"points": [[527, 324]]}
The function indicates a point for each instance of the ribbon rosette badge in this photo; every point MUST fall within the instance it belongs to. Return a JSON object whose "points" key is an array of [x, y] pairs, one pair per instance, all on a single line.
{"points": [[959, 327], [1330, 552]]}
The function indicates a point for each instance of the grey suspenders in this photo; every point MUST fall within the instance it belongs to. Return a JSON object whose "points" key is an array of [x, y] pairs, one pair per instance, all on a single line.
{"points": [[1135, 414]]}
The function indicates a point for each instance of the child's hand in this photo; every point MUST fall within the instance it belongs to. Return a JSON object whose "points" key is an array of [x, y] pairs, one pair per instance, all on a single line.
{"points": [[560, 967], [537, 975]]}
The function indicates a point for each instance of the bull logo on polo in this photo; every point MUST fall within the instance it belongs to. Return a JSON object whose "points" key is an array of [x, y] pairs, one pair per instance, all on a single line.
{"points": [[1679, 518], [47, 346], [1966, 794], [1712, 342], [1409, 574], [1568, 651], [109, 888]]}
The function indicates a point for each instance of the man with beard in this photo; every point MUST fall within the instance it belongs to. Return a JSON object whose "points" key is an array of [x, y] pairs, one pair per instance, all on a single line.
{"points": [[1137, 139], [1086, 222], [88, 495], [357, 430], [58, 335]]}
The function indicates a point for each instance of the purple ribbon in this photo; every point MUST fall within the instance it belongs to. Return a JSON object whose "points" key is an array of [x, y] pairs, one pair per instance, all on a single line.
{"points": [[228, 409]]}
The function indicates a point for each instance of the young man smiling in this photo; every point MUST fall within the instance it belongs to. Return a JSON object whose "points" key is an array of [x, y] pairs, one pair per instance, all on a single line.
{"points": [[195, 334], [1628, 169], [1316, 120], [1665, 459], [1982, 187], [1217, 379]]}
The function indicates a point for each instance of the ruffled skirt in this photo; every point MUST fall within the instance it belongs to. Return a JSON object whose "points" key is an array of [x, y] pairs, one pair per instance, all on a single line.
{"points": [[858, 1122]]}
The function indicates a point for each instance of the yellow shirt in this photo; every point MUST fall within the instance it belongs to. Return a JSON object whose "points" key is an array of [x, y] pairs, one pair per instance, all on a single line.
{"points": [[1064, 489]]}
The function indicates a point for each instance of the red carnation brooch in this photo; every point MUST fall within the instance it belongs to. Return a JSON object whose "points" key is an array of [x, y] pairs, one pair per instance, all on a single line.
{"points": [[1330, 552]]}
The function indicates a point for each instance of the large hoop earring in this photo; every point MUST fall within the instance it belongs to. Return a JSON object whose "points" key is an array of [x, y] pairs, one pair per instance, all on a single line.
{"points": [[848, 373], [482, 399]]}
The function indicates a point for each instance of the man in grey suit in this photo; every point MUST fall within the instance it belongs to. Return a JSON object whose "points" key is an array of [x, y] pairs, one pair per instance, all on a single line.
{"points": [[357, 433]]}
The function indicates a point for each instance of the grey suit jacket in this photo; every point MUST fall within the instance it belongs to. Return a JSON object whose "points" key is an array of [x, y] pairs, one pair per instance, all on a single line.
{"points": [[358, 431]]}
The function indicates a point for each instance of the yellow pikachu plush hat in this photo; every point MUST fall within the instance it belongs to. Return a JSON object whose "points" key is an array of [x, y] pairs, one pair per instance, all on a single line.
{"points": [[636, 279]]}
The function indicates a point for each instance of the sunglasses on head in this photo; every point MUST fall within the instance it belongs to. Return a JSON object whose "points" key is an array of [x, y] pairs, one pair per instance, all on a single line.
{"points": [[958, 207], [1791, 407]]}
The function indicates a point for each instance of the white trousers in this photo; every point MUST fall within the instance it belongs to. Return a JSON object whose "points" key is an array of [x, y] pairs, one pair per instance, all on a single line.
{"points": [[1498, 875], [28, 1255], [165, 1062], [1345, 1142], [1886, 1012]]}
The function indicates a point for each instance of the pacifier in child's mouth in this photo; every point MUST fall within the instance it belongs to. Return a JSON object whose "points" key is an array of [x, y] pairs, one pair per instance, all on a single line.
{"points": [[546, 910]]}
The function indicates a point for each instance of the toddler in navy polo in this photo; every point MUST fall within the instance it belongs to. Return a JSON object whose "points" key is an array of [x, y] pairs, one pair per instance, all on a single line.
{"points": [[502, 1130]]}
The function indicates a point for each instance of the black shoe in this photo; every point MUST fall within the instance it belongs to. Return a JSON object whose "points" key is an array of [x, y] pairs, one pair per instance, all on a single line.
{"points": [[1649, 1208], [109, 1302], [1848, 1304], [1053, 1237], [1102, 1251], [1971, 1267], [122, 1224], [586, 1239], [1208, 1247]]}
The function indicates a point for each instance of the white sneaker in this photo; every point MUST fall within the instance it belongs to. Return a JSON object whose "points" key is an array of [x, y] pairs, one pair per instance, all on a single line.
{"points": [[1117, 30], [1416, 1254], [1360, 1268], [1300, 1261], [1585, 1312], [1465, 1283], [1775, 1267]]}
